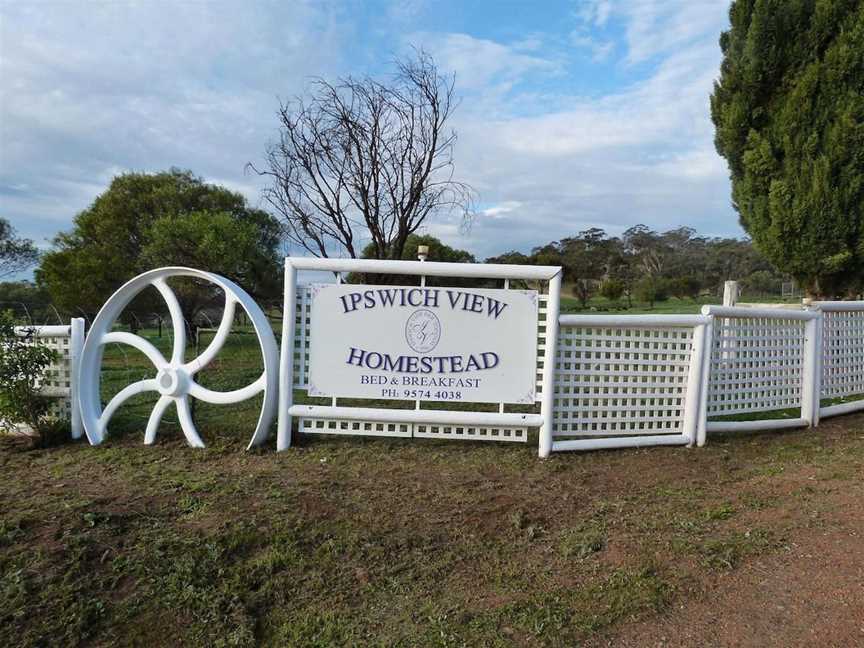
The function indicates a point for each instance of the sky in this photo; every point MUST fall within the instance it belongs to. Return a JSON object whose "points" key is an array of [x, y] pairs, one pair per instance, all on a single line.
{"points": [[588, 113]]}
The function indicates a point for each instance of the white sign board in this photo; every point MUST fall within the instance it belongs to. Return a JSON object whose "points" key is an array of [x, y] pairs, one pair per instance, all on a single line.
{"points": [[428, 344]]}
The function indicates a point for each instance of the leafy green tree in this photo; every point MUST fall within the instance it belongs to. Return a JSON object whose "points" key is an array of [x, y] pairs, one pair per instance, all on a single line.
{"points": [[16, 254], [512, 257], [650, 289], [762, 282], [30, 303], [438, 251], [549, 254], [170, 218], [586, 261], [789, 115]]}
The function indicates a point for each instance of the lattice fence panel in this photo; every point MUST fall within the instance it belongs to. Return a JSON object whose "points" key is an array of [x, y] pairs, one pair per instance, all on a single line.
{"points": [[57, 383], [302, 329], [470, 432], [842, 354], [757, 365], [621, 381], [542, 314], [355, 427]]}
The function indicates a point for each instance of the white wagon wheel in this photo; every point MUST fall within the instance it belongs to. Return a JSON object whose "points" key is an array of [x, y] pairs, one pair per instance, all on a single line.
{"points": [[174, 379]]}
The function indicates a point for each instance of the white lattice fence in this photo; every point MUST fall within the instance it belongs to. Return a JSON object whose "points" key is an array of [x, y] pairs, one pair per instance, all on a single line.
{"points": [[842, 356], [60, 382], [627, 381], [761, 361]]}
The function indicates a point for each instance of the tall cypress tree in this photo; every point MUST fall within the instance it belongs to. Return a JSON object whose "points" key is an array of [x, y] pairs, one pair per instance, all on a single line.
{"points": [[789, 116]]}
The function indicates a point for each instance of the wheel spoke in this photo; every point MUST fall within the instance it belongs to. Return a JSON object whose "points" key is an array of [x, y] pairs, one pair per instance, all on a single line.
{"points": [[156, 418], [185, 416], [226, 398], [145, 347], [122, 396], [218, 340], [178, 322]]}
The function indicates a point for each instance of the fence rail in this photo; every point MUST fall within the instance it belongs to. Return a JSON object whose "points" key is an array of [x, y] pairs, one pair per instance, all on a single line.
{"points": [[637, 380], [602, 381], [625, 381], [842, 356]]}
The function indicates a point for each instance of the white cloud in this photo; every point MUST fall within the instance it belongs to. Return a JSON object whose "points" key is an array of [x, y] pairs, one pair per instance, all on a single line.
{"points": [[482, 64], [91, 90], [643, 154], [656, 27], [499, 210]]}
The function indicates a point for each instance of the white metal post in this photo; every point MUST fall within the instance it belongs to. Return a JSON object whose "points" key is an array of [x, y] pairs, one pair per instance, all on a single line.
{"points": [[694, 380], [547, 404], [705, 383], [76, 344], [811, 369], [286, 374]]}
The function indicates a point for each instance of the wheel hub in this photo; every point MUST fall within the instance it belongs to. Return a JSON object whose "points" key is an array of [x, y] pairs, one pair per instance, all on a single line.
{"points": [[172, 381]]}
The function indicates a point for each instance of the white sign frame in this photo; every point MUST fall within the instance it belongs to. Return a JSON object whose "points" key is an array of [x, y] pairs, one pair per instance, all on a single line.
{"points": [[506, 272]]}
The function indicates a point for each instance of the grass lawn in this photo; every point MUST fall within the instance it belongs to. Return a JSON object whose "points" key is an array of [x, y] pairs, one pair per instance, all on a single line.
{"points": [[373, 542], [343, 542]]}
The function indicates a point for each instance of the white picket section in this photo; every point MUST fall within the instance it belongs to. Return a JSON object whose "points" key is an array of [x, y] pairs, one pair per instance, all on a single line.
{"points": [[761, 360], [60, 382], [632, 380], [842, 356], [625, 381]]}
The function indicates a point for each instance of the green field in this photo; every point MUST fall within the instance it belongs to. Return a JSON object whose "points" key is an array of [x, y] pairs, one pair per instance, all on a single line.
{"points": [[673, 305], [358, 542]]}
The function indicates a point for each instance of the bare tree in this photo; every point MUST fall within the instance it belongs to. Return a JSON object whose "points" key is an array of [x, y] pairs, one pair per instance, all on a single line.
{"points": [[361, 158]]}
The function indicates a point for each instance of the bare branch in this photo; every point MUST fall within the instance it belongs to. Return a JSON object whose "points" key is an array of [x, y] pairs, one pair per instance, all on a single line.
{"points": [[361, 159]]}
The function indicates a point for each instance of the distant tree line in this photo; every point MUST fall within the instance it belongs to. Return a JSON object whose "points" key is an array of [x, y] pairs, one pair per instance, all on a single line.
{"points": [[640, 265], [650, 266]]}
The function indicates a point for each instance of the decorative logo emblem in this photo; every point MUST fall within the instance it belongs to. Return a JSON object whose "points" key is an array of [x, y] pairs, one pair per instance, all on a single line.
{"points": [[423, 331]]}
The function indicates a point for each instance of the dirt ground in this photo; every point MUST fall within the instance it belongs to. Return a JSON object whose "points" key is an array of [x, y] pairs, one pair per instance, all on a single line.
{"points": [[751, 541]]}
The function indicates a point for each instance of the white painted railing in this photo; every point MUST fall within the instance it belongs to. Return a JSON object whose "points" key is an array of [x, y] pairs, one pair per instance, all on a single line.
{"points": [[761, 360], [60, 383], [637, 380], [627, 381], [842, 356], [602, 381]]}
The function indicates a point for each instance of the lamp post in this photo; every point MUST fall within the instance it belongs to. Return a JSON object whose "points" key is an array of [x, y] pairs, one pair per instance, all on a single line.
{"points": [[422, 252]]}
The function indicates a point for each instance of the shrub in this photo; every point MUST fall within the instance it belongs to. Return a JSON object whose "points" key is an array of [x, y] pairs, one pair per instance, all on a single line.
{"points": [[684, 287], [612, 289], [762, 282], [23, 364], [651, 289]]}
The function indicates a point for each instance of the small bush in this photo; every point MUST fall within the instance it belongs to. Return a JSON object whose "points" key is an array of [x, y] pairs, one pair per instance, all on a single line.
{"points": [[23, 364], [685, 287], [612, 289], [652, 289]]}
